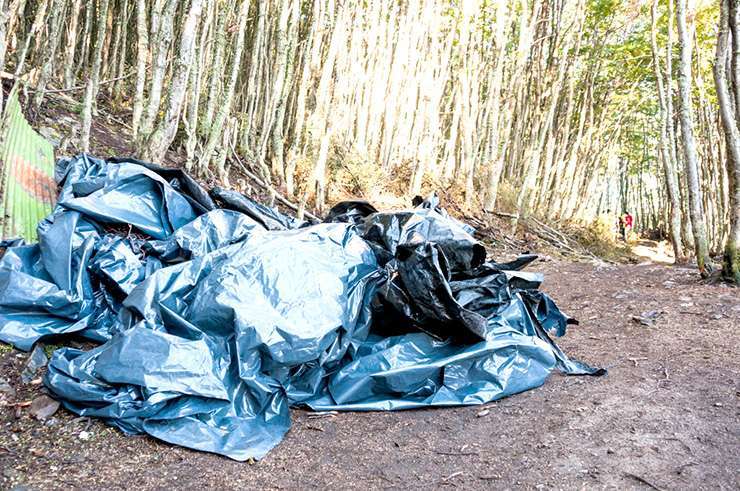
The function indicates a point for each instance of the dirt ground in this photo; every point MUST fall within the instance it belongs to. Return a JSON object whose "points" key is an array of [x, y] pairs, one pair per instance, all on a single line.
{"points": [[665, 417]]}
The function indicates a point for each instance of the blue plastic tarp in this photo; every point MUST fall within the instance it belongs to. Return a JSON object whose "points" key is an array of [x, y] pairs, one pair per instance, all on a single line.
{"points": [[212, 322]]}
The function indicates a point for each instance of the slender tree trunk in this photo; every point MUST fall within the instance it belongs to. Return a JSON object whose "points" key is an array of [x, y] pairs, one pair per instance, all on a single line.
{"points": [[300, 110], [670, 171], [56, 16], [283, 76], [730, 122], [142, 50], [689, 146], [216, 69], [84, 58], [161, 43], [223, 111], [70, 47], [38, 23], [4, 18], [91, 90], [164, 132], [190, 121], [123, 52]]}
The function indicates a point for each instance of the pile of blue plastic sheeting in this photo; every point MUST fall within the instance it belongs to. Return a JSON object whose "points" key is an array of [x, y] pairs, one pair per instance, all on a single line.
{"points": [[215, 314]]}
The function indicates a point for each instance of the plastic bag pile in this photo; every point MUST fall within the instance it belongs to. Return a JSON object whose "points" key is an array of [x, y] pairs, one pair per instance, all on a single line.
{"points": [[216, 314]]}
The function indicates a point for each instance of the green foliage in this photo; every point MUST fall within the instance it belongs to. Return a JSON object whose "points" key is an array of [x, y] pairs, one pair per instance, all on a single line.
{"points": [[49, 349], [627, 75]]}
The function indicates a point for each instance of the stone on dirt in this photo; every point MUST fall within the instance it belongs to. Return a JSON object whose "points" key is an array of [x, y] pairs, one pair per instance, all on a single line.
{"points": [[6, 389], [43, 407]]}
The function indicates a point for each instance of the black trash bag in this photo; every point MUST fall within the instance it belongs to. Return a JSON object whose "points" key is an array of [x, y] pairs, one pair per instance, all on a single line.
{"points": [[351, 211], [427, 299], [512, 270], [205, 234], [268, 217], [388, 231]]}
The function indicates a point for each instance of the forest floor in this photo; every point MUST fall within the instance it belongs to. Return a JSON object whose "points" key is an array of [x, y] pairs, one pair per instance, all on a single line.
{"points": [[666, 416]]}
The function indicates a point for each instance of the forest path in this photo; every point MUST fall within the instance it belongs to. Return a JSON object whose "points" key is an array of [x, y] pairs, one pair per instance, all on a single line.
{"points": [[666, 414], [654, 251]]}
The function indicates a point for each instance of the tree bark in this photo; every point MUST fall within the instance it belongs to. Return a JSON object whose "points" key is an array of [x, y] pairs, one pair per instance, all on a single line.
{"points": [[729, 116], [4, 18], [91, 90], [164, 132], [142, 51], [69, 48], [283, 76], [38, 22], [56, 16], [161, 43], [689, 146], [670, 171], [225, 107]]}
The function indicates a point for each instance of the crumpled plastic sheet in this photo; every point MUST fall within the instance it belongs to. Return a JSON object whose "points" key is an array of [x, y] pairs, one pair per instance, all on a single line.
{"points": [[212, 322]]}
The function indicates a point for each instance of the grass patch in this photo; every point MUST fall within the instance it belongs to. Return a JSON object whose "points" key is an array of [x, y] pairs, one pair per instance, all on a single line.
{"points": [[49, 349]]}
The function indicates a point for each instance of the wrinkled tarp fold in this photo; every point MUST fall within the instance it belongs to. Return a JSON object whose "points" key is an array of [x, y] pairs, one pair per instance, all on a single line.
{"points": [[213, 321]]}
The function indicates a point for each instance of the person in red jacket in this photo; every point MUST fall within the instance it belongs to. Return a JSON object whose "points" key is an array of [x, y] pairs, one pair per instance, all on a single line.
{"points": [[627, 222]]}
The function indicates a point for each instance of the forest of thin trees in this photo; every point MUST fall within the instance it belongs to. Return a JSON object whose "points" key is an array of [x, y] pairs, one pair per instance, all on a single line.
{"points": [[563, 109]]}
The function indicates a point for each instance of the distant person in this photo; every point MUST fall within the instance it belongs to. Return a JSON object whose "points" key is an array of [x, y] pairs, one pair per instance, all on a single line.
{"points": [[627, 223]]}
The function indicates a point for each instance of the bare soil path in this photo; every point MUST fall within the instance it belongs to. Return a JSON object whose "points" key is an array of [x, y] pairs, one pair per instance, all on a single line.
{"points": [[667, 416]]}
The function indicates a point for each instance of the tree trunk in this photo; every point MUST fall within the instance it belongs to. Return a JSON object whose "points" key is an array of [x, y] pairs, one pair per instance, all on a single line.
{"points": [[689, 146], [164, 132], [142, 51], [161, 43], [69, 48], [38, 22], [670, 171], [300, 101], [225, 107], [729, 114], [123, 51], [56, 16], [283, 76], [4, 17], [91, 90], [216, 68]]}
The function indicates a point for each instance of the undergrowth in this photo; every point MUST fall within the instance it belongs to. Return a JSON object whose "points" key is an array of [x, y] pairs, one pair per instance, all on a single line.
{"points": [[600, 238]]}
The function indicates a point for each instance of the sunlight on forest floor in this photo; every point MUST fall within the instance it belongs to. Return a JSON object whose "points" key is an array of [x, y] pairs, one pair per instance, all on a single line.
{"points": [[657, 252]]}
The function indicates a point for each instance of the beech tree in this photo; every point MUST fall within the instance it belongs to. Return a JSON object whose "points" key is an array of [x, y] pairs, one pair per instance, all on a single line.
{"points": [[727, 80]]}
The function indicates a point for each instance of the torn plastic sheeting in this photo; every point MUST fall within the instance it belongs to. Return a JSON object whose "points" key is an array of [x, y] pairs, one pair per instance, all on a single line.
{"points": [[214, 322], [388, 232], [126, 193], [351, 211], [269, 218]]}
